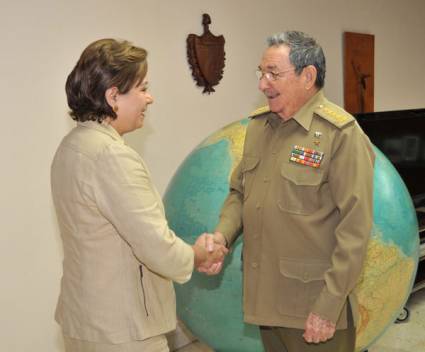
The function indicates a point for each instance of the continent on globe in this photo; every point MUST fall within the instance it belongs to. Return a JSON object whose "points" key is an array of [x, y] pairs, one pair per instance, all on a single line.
{"points": [[211, 307]]}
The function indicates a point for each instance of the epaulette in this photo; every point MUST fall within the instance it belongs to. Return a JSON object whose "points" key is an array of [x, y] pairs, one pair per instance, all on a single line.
{"points": [[334, 114], [260, 111]]}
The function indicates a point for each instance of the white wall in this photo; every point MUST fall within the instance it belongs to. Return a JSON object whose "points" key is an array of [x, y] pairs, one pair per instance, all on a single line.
{"points": [[40, 42]]}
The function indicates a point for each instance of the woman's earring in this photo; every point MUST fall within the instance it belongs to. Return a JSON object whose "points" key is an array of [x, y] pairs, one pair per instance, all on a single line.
{"points": [[115, 108]]}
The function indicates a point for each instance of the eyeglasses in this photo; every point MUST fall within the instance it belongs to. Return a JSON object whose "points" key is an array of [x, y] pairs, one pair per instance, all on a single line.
{"points": [[271, 76]]}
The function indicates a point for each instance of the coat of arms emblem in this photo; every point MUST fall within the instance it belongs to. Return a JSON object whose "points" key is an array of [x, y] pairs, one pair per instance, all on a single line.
{"points": [[206, 57]]}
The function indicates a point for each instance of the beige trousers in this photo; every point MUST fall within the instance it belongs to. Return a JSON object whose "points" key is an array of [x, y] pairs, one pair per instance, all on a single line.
{"points": [[153, 344]]}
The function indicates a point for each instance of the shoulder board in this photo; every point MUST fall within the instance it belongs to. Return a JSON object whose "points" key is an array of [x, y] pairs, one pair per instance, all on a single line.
{"points": [[260, 111], [334, 114]]}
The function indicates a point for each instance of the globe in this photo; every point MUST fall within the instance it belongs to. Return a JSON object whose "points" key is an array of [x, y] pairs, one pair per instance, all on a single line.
{"points": [[211, 306]]}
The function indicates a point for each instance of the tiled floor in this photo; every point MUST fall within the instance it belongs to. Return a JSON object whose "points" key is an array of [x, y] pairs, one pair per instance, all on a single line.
{"points": [[408, 336]]}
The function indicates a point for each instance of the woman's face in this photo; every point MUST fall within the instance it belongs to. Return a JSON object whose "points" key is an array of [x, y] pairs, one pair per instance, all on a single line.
{"points": [[131, 107]]}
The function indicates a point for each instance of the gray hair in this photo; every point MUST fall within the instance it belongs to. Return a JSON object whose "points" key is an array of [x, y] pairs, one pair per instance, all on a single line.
{"points": [[304, 51]]}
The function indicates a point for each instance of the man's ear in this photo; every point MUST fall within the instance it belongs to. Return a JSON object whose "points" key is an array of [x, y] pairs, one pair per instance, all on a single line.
{"points": [[310, 74], [111, 95]]}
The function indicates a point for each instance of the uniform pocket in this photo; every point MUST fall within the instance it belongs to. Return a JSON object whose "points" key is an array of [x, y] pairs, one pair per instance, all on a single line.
{"points": [[299, 188], [300, 285], [248, 169]]}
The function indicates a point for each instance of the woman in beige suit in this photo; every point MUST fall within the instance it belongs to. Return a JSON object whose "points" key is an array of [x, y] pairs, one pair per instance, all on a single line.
{"points": [[120, 257]]}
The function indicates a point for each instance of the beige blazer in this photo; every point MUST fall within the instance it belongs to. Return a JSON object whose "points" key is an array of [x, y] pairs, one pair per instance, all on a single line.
{"points": [[120, 256]]}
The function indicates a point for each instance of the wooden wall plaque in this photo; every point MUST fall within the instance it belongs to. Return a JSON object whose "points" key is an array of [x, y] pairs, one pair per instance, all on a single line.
{"points": [[359, 73], [206, 56]]}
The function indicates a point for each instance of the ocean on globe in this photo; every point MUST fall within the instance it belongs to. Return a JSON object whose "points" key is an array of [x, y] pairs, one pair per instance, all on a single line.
{"points": [[211, 306]]}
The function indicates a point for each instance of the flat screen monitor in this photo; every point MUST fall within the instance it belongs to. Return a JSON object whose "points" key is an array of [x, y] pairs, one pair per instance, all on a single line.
{"points": [[400, 135]]}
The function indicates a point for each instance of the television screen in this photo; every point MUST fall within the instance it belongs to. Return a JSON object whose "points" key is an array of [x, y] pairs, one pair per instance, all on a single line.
{"points": [[400, 135]]}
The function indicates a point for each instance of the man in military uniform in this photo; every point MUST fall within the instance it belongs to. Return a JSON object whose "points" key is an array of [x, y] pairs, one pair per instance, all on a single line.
{"points": [[303, 195]]}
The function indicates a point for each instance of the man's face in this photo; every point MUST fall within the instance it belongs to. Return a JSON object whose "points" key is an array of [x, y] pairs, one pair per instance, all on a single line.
{"points": [[287, 93]]}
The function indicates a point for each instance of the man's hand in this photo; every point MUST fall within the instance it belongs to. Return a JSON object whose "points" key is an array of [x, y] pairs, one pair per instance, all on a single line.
{"points": [[214, 244], [317, 329]]}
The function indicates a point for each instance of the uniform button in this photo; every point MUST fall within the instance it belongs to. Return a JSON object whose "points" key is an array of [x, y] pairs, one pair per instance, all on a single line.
{"points": [[254, 265], [266, 179], [305, 276], [274, 151], [255, 235], [258, 205]]}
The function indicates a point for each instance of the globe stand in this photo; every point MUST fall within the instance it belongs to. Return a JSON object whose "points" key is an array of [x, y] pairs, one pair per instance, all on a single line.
{"points": [[403, 316]]}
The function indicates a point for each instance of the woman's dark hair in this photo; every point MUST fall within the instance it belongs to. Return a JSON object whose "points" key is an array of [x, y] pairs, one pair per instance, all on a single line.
{"points": [[103, 64]]}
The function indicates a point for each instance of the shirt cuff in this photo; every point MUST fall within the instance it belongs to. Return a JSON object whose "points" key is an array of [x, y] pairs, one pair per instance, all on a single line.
{"points": [[328, 306], [224, 230]]}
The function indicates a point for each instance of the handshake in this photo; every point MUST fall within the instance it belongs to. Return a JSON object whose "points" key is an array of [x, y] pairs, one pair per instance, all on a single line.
{"points": [[210, 251]]}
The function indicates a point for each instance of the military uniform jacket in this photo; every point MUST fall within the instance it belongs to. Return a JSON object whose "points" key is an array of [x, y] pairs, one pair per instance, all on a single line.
{"points": [[303, 195], [120, 257]]}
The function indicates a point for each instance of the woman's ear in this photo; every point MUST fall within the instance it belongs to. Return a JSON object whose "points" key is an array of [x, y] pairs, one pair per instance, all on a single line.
{"points": [[310, 73], [111, 95]]}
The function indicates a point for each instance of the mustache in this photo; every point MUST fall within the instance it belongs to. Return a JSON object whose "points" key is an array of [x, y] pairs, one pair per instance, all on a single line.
{"points": [[271, 95]]}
